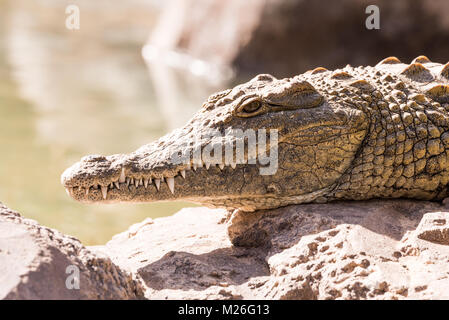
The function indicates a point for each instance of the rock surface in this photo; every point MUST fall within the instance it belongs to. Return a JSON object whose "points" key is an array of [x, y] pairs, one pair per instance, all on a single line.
{"points": [[376, 249], [34, 260], [379, 249]]}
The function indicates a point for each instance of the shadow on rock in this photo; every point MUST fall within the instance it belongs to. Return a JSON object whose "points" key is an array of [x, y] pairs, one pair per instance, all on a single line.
{"points": [[283, 227], [185, 271], [378, 249]]}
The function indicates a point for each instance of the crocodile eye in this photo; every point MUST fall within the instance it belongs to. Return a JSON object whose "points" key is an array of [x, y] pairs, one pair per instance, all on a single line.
{"points": [[252, 107]]}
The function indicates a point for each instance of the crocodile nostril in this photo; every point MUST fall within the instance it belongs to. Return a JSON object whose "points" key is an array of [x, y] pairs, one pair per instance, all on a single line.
{"points": [[93, 158]]}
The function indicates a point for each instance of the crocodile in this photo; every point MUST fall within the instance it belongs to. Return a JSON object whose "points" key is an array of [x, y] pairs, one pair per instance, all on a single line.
{"points": [[353, 133]]}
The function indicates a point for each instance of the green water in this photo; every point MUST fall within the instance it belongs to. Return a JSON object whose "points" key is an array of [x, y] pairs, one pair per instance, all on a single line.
{"points": [[65, 94]]}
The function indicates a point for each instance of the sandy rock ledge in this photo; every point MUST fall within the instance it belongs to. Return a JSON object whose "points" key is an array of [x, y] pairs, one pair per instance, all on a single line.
{"points": [[34, 261], [395, 249], [379, 249]]}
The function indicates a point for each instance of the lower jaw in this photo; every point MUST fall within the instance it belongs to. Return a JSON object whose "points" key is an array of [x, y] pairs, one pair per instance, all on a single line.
{"points": [[190, 186], [142, 195], [129, 193], [268, 201]]}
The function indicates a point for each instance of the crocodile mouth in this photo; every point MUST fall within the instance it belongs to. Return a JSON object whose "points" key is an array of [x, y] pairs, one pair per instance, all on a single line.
{"points": [[186, 182], [169, 172], [193, 184]]}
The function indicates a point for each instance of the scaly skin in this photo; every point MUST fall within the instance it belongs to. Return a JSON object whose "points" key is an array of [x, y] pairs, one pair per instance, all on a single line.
{"points": [[353, 133]]}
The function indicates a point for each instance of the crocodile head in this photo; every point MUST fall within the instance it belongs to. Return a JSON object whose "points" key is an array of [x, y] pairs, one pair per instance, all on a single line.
{"points": [[263, 144]]}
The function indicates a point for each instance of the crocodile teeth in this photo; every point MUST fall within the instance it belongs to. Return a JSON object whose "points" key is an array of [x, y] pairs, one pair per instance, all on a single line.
{"points": [[145, 183], [171, 184], [221, 165], [157, 182], [128, 180], [207, 165], [136, 182], [183, 173], [117, 185], [104, 191], [87, 191], [197, 165], [69, 191], [233, 165], [122, 176]]}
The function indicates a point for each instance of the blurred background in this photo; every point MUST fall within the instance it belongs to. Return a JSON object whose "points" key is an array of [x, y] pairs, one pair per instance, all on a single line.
{"points": [[135, 70]]}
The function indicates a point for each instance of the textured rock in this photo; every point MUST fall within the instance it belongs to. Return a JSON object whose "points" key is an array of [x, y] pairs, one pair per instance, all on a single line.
{"points": [[434, 227], [288, 37], [345, 250], [395, 249], [34, 260]]}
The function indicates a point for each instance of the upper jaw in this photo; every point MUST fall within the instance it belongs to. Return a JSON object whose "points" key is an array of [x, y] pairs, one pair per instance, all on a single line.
{"points": [[150, 174], [139, 178], [189, 183], [110, 180]]}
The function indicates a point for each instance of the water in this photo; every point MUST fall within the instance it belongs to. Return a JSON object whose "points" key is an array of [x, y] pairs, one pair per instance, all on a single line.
{"points": [[65, 94]]}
